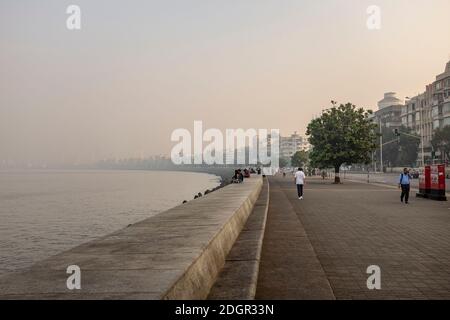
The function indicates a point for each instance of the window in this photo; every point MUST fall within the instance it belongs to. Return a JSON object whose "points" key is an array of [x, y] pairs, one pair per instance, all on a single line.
{"points": [[435, 124], [435, 112], [446, 122], [446, 108], [404, 110], [418, 116]]}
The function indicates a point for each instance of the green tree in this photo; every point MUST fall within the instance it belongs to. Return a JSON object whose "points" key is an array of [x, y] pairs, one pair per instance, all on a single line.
{"points": [[408, 148], [403, 151], [342, 135], [300, 159], [441, 140], [283, 162]]}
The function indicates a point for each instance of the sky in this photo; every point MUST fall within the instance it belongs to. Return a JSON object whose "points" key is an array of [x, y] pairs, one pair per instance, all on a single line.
{"points": [[138, 70]]}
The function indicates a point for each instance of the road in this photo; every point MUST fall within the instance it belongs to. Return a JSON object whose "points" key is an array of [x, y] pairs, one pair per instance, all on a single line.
{"points": [[385, 178], [321, 247]]}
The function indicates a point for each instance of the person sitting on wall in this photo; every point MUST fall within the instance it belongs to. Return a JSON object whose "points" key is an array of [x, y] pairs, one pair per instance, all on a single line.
{"points": [[241, 176], [236, 177]]}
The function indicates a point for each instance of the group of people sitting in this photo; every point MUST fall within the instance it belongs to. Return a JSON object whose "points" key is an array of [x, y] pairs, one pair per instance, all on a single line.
{"points": [[240, 174]]}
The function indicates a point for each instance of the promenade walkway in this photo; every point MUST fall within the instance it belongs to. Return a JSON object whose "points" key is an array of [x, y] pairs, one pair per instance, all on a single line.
{"points": [[320, 248]]}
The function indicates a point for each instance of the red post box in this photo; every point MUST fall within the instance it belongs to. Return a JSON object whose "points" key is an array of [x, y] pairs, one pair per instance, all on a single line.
{"points": [[437, 189], [425, 183]]}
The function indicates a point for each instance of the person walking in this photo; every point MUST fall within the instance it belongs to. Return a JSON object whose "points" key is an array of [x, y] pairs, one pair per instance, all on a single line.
{"points": [[300, 182], [405, 185]]}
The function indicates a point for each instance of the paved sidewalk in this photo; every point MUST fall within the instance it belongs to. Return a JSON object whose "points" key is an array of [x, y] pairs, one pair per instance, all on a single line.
{"points": [[289, 268], [350, 227]]}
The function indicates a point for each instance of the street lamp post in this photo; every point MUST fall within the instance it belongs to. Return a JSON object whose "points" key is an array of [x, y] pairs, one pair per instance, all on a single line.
{"points": [[381, 148], [422, 135], [374, 163]]}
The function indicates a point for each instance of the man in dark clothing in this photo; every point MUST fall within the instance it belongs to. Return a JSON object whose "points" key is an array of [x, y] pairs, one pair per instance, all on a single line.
{"points": [[405, 185]]}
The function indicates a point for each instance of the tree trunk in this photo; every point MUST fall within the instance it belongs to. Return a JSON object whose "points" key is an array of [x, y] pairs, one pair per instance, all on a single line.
{"points": [[337, 178]]}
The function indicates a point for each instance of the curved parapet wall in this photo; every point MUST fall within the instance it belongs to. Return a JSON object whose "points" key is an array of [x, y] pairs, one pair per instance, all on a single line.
{"points": [[239, 277], [174, 255]]}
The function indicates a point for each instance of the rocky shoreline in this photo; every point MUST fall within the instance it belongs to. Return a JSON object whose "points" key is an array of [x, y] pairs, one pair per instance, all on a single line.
{"points": [[225, 175]]}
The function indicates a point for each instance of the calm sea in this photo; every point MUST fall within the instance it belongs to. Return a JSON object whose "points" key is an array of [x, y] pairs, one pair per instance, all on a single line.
{"points": [[45, 212]]}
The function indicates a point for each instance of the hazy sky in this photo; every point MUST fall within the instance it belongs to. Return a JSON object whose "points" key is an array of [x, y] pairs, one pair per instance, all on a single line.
{"points": [[137, 70]]}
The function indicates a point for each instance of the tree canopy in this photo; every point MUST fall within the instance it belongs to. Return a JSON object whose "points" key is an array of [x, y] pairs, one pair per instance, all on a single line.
{"points": [[441, 140], [300, 159], [283, 162], [403, 151], [342, 135]]}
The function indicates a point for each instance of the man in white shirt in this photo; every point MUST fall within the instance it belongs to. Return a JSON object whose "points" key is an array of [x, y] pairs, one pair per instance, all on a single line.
{"points": [[300, 181]]}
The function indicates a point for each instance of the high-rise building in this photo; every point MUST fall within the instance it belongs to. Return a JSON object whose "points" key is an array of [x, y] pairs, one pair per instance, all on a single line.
{"points": [[428, 111], [440, 99], [389, 111], [417, 116], [292, 144]]}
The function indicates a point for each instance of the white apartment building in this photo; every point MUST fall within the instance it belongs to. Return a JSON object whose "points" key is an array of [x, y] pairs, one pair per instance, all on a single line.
{"points": [[428, 111], [440, 99], [389, 111], [292, 144]]}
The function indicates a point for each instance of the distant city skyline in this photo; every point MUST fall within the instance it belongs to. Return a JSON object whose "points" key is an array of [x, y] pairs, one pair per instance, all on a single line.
{"points": [[138, 70]]}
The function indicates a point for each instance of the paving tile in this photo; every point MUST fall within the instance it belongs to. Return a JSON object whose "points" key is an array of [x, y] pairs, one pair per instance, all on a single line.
{"points": [[354, 225]]}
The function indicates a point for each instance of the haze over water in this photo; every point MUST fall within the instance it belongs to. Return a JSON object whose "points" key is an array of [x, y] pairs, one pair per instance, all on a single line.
{"points": [[137, 70], [45, 212]]}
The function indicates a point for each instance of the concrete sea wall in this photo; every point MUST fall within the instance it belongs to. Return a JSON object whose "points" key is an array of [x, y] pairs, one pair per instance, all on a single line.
{"points": [[174, 255], [239, 277]]}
